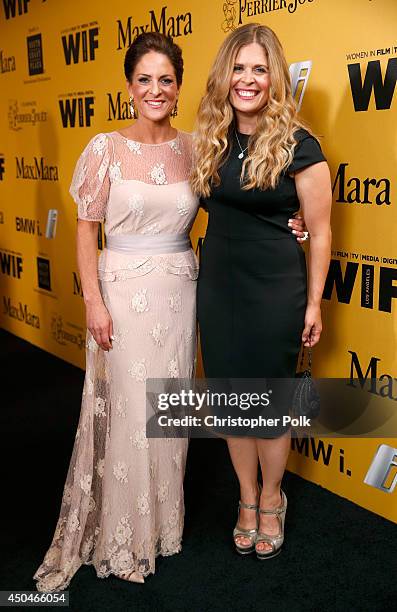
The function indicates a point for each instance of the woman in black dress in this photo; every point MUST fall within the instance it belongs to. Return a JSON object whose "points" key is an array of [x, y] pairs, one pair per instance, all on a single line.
{"points": [[257, 166]]}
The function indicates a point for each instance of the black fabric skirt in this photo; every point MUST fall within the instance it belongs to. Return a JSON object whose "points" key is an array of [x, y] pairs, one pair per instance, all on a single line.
{"points": [[251, 302]]}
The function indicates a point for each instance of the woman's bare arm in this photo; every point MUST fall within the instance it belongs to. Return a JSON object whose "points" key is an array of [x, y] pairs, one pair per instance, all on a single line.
{"points": [[313, 185], [98, 318]]}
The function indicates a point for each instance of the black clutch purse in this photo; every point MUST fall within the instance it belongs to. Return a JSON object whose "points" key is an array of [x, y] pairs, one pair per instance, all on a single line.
{"points": [[306, 399]]}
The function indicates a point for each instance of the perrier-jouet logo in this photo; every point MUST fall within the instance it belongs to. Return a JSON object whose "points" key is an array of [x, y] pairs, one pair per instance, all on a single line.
{"points": [[235, 11]]}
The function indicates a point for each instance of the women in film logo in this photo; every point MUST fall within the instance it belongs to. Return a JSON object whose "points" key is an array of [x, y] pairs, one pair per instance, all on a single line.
{"points": [[80, 43], [77, 110], [375, 79]]}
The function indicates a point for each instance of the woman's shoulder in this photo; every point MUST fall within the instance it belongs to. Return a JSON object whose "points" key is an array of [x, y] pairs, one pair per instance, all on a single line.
{"points": [[307, 150], [186, 136], [302, 133], [187, 140], [99, 143]]}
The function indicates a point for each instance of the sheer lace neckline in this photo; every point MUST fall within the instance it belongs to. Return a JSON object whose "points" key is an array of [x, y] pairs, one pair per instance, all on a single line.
{"points": [[148, 144]]}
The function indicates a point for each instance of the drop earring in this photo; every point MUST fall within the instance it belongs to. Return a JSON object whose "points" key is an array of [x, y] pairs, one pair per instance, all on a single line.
{"points": [[132, 108], [175, 110]]}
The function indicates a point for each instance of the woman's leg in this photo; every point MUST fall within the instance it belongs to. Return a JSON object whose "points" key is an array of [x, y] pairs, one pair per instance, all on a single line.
{"points": [[244, 456], [273, 454]]}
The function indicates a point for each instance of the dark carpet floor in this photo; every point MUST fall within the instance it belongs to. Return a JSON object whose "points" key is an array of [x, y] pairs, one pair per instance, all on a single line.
{"points": [[337, 556]]}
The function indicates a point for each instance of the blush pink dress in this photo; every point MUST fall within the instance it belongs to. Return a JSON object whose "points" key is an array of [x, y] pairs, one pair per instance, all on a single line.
{"points": [[123, 497]]}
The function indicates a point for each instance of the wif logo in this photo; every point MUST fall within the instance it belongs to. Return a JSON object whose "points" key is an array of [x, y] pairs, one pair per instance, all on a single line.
{"points": [[80, 46], [383, 87], [10, 264], [12, 6], [78, 109], [344, 282], [299, 72], [2, 167], [382, 473]]}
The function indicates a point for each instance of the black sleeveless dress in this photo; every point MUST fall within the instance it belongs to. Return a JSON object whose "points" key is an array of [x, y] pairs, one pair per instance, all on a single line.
{"points": [[252, 288]]}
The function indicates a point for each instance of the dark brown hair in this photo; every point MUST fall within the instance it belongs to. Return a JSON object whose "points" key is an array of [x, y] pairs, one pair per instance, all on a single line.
{"points": [[153, 41]]}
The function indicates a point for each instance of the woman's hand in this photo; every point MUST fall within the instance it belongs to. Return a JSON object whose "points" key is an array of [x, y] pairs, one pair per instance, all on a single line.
{"points": [[313, 326], [298, 227], [100, 324]]}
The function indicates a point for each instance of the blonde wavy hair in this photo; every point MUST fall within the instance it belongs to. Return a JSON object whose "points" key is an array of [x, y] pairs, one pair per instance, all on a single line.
{"points": [[271, 146]]}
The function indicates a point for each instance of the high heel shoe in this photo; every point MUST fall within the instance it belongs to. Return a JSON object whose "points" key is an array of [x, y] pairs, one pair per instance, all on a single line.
{"points": [[250, 534], [275, 541], [132, 577]]}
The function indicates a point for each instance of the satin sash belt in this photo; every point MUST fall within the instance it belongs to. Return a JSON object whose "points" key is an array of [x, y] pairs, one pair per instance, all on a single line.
{"points": [[142, 244]]}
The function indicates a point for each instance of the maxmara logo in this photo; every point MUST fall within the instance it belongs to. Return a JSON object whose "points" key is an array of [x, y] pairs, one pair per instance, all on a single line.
{"points": [[161, 20], [37, 170], [351, 189], [7, 62], [80, 43], [20, 312], [117, 107], [236, 11], [27, 115], [77, 288], [369, 376]]}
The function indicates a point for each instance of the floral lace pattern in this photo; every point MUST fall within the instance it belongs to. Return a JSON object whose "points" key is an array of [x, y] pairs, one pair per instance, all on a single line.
{"points": [[136, 204], [122, 502], [157, 174], [134, 147], [138, 370], [174, 146]]}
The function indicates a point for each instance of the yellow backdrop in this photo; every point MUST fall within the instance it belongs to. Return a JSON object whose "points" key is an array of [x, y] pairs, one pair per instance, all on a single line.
{"points": [[61, 74]]}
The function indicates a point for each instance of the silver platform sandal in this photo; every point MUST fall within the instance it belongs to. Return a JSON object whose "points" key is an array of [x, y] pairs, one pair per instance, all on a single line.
{"points": [[275, 541], [251, 534]]}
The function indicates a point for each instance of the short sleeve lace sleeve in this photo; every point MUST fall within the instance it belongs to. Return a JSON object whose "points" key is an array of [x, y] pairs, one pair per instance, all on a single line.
{"points": [[90, 183]]}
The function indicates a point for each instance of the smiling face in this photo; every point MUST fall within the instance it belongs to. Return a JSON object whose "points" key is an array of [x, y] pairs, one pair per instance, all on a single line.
{"points": [[154, 87], [250, 83]]}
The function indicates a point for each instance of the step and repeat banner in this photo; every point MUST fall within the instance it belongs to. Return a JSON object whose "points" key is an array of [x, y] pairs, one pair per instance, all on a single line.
{"points": [[61, 77]]}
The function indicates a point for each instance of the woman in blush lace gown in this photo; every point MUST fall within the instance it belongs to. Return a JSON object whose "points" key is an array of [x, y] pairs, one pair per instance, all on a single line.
{"points": [[123, 498]]}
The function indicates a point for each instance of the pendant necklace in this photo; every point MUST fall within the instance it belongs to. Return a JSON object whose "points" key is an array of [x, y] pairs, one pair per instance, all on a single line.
{"points": [[240, 155]]}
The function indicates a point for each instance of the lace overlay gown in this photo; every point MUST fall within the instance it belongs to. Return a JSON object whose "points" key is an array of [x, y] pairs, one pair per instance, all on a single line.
{"points": [[123, 497]]}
